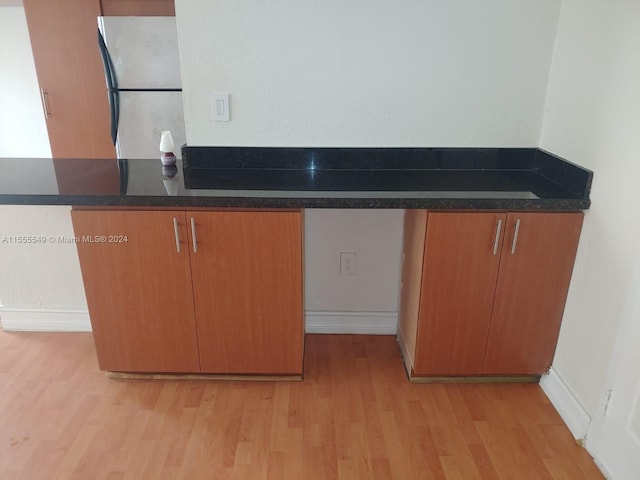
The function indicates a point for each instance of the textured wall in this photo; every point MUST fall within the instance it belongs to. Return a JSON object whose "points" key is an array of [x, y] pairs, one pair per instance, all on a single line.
{"points": [[367, 73], [592, 118], [375, 287]]}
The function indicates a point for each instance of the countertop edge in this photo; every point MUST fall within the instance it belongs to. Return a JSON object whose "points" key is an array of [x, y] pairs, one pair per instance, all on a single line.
{"points": [[548, 204]]}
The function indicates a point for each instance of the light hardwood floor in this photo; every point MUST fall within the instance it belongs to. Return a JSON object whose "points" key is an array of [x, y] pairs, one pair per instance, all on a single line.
{"points": [[355, 416]]}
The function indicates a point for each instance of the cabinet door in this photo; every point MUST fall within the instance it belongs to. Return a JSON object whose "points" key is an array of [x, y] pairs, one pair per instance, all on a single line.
{"points": [[461, 259], [64, 41], [247, 288], [138, 289], [535, 270]]}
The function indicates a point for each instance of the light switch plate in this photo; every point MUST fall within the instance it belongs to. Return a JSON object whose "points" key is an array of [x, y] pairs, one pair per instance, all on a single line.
{"points": [[221, 107]]}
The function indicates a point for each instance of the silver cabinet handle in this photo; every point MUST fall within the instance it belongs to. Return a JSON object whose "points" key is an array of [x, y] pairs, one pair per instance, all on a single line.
{"points": [[45, 102], [495, 242], [515, 237], [193, 235], [177, 232]]}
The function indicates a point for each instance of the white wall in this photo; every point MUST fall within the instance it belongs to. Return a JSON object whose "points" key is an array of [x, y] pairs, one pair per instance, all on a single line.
{"points": [[33, 277], [365, 73], [592, 117], [23, 132], [44, 276], [375, 287]]}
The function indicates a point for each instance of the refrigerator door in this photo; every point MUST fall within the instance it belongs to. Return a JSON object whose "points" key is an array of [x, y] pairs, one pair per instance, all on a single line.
{"points": [[143, 117], [143, 51]]}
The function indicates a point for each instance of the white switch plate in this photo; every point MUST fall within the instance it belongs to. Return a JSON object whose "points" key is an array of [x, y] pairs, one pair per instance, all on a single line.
{"points": [[221, 107]]}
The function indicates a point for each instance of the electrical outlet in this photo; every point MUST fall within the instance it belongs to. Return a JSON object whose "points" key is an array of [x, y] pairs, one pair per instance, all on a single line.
{"points": [[347, 263]]}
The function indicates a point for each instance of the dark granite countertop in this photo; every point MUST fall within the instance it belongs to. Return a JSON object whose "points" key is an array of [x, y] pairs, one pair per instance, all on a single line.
{"points": [[255, 177]]}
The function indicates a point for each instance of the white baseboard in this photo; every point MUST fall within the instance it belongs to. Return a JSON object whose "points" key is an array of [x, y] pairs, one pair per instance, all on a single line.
{"points": [[598, 462], [374, 323], [44, 320], [566, 403], [68, 320]]}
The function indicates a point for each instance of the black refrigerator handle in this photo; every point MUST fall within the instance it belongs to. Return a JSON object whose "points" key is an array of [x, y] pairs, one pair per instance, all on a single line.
{"points": [[123, 169], [112, 86]]}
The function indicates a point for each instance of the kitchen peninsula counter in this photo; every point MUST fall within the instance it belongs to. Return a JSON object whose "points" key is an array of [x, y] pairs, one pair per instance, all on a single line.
{"points": [[486, 226], [257, 177]]}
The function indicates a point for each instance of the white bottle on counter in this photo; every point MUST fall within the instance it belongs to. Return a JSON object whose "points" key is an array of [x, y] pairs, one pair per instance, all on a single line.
{"points": [[166, 148]]}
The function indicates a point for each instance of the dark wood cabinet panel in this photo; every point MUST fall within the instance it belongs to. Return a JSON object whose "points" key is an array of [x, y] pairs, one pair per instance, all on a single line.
{"points": [[461, 259], [63, 37], [535, 272], [138, 290], [145, 8], [247, 290]]}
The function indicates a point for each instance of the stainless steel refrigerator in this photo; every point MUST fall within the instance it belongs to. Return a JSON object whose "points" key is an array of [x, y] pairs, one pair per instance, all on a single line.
{"points": [[142, 71]]}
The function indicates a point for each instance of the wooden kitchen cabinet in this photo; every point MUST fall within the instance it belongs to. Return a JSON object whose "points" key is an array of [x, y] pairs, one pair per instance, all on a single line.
{"points": [[483, 293], [532, 288], [228, 300], [138, 289], [459, 281], [70, 74], [247, 289]]}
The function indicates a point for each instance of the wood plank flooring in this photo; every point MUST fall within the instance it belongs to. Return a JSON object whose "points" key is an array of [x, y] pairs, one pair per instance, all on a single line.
{"points": [[355, 416]]}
